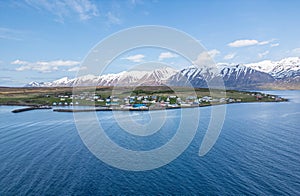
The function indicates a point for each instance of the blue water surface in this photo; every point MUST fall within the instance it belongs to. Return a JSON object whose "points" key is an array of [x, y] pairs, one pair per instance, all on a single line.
{"points": [[258, 152]]}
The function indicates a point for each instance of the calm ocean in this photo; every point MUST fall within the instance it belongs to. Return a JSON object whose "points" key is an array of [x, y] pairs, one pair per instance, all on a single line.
{"points": [[258, 152]]}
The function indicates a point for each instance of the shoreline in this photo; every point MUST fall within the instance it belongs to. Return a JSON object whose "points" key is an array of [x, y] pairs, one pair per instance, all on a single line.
{"points": [[101, 109]]}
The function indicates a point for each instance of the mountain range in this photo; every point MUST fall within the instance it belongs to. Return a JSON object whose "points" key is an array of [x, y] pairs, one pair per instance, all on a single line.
{"points": [[285, 72]]}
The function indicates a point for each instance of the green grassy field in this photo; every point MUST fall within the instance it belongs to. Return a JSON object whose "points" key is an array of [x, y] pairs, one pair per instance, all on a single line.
{"points": [[48, 96]]}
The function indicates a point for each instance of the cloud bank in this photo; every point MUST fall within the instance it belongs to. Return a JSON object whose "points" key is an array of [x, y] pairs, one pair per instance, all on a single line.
{"points": [[43, 66]]}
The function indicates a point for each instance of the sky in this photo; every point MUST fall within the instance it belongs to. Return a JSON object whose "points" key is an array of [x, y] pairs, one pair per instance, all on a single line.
{"points": [[44, 40]]}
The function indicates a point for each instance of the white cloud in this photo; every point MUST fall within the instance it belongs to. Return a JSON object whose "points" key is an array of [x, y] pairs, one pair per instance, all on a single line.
{"points": [[243, 43], [274, 45], [12, 34], [166, 55], [261, 55], [43, 66], [85, 9], [19, 62], [213, 53], [294, 52], [135, 58], [204, 59], [264, 43], [75, 69], [113, 19], [248, 42], [229, 56]]}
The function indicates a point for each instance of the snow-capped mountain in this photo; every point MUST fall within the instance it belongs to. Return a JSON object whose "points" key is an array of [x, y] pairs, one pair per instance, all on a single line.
{"points": [[137, 77], [242, 76], [133, 77], [265, 66], [234, 76], [35, 84], [287, 69], [194, 76]]}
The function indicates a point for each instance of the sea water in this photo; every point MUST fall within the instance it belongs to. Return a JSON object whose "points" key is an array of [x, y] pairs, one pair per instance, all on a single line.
{"points": [[257, 152]]}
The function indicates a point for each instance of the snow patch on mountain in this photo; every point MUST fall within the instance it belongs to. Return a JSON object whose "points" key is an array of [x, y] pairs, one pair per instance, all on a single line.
{"points": [[284, 69], [132, 77], [264, 66]]}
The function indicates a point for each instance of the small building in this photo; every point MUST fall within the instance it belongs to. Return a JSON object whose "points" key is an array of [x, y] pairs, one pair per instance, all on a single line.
{"points": [[115, 99], [139, 105], [222, 100], [259, 96], [230, 100]]}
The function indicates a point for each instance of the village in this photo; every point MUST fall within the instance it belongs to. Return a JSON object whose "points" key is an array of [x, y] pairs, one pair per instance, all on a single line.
{"points": [[141, 102]]}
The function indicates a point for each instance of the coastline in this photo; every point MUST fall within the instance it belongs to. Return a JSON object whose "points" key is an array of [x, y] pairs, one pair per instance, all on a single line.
{"points": [[104, 109]]}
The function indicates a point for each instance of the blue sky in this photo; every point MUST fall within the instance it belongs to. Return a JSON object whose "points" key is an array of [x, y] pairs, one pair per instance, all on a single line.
{"points": [[43, 40]]}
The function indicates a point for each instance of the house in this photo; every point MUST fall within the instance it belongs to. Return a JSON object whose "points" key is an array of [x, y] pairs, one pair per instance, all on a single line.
{"points": [[145, 101], [230, 100], [259, 96], [191, 99], [131, 99], [115, 99], [222, 100], [206, 99]]}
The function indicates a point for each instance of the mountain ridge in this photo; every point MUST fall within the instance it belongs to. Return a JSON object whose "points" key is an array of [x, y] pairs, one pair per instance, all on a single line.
{"points": [[239, 76]]}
